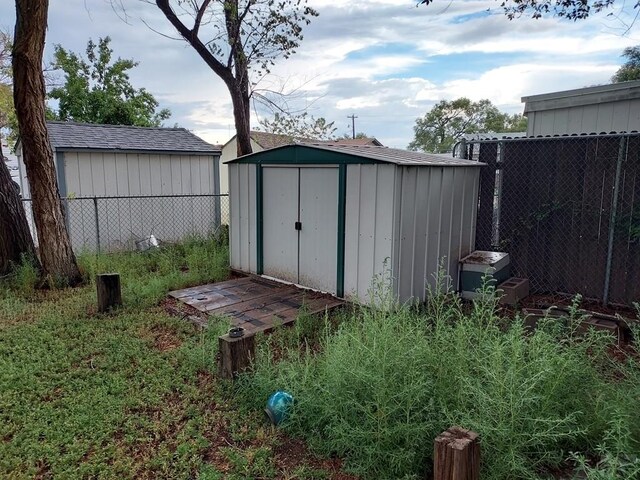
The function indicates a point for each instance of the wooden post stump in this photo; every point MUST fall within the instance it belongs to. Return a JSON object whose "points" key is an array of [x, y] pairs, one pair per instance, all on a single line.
{"points": [[456, 455], [109, 293], [235, 355]]}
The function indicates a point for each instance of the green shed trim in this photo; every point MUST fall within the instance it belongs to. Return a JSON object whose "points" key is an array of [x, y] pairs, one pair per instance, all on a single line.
{"points": [[259, 224], [302, 155], [342, 204]]}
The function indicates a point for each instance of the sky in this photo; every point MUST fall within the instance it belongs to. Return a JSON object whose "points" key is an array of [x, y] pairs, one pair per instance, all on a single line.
{"points": [[385, 61]]}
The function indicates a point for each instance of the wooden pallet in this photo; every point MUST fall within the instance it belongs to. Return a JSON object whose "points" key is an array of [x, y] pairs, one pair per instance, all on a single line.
{"points": [[255, 303]]}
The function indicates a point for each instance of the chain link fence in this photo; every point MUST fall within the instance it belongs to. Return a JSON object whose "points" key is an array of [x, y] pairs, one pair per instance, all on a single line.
{"points": [[566, 209], [105, 224]]}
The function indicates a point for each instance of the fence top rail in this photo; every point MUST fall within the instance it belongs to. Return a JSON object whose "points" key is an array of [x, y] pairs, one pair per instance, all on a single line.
{"points": [[142, 196], [573, 136]]}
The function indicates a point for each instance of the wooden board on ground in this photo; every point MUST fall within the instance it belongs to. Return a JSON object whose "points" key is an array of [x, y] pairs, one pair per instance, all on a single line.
{"points": [[255, 303]]}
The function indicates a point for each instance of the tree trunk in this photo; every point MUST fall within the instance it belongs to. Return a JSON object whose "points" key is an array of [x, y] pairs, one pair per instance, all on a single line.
{"points": [[56, 254], [15, 237], [242, 117]]}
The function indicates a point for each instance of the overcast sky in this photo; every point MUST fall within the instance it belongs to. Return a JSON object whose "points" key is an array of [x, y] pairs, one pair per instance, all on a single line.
{"points": [[385, 61]]}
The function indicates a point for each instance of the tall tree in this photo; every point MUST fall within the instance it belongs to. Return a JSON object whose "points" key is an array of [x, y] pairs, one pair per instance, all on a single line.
{"points": [[447, 121], [16, 242], [299, 126], [98, 90], [569, 9], [630, 70], [56, 254], [236, 37], [15, 237]]}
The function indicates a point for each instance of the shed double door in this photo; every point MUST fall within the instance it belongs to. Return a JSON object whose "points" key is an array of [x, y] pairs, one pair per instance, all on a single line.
{"points": [[300, 225]]}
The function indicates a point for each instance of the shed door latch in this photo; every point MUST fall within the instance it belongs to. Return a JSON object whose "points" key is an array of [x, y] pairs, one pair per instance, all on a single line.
{"points": [[298, 225]]}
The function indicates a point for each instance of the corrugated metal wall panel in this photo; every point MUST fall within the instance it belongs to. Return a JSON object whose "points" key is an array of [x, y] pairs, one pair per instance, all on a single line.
{"points": [[318, 240], [280, 209], [436, 224], [623, 116], [242, 227], [122, 174], [368, 225], [122, 221]]}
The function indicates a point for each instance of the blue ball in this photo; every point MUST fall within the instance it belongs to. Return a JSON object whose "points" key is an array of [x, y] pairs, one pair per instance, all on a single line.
{"points": [[278, 407]]}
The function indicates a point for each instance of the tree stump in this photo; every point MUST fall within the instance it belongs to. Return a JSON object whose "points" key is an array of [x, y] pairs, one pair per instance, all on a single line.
{"points": [[235, 355], [456, 455], [109, 293]]}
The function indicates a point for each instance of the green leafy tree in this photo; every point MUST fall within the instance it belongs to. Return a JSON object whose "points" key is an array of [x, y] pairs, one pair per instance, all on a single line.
{"points": [[236, 38], [8, 120], [569, 9], [448, 121], [630, 70], [98, 90], [302, 126]]}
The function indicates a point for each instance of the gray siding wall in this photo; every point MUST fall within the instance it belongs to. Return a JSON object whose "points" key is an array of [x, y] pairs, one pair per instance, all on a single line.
{"points": [[437, 217], [369, 222], [122, 174], [594, 118], [122, 221], [242, 225]]}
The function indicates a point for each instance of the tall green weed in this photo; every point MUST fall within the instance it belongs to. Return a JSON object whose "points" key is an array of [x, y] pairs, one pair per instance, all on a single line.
{"points": [[389, 380]]}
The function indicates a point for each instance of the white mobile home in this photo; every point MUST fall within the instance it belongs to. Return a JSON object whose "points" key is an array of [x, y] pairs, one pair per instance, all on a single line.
{"points": [[604, 108], [332, 217]]}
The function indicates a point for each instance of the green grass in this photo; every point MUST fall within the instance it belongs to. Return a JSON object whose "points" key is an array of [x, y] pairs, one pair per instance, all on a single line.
{"points": [[387, 381], [133, 393], [130, 394]]}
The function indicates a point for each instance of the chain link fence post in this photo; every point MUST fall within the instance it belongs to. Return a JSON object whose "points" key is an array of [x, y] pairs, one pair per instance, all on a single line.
{"points": [[97, 218]]}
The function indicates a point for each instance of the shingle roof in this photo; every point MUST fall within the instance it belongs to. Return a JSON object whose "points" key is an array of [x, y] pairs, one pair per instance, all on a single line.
{"points": [[372, 141], [273, 140], [91, 136]]}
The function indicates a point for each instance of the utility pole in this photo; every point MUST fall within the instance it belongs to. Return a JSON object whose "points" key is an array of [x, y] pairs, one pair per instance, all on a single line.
{"points": [[353, 125]]}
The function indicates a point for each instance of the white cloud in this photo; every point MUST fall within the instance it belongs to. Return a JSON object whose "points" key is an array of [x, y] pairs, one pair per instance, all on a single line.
{"points": [[385, 61]]}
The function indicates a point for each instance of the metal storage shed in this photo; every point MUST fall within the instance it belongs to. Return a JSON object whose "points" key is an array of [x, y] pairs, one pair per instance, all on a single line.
{"points": [[332, 217], [122, 181]]}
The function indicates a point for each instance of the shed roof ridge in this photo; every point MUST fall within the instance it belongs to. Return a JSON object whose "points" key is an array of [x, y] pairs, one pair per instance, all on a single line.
{"points": [[111, 125]]}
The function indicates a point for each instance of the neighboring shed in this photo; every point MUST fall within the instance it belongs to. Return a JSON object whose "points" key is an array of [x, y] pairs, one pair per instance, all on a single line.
{"points": [[115, 161], [333, 217], [605, 108]]}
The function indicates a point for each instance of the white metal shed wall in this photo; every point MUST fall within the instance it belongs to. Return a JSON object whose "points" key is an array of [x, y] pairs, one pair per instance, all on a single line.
{"points": [[369, 221], [438, 207], [621, 116], [242, 227], [102, 174], [121, 221]]}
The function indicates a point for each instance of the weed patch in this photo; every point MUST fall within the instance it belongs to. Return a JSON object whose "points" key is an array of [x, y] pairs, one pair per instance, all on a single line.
{"points": [[387, 381]]}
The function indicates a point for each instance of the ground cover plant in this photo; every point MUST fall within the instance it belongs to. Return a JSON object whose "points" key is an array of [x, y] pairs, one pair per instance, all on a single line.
{"points": [[386, 381], [133, 393]]}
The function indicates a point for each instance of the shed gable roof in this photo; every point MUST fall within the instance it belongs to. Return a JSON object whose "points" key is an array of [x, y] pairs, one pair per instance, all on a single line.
{"points": [[330, 153], [91, 136]]}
